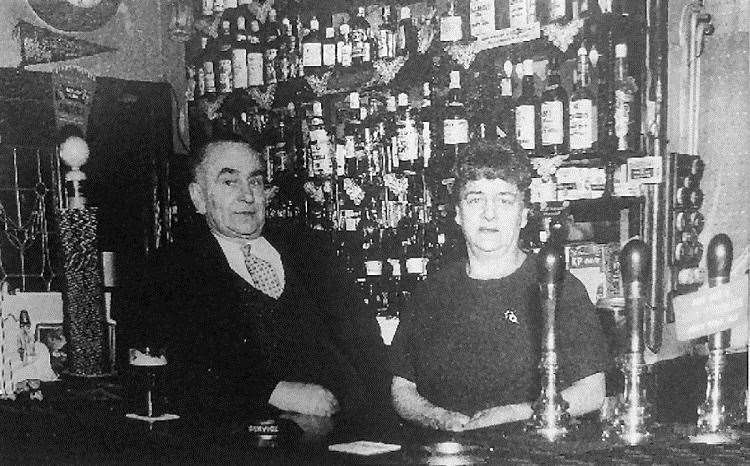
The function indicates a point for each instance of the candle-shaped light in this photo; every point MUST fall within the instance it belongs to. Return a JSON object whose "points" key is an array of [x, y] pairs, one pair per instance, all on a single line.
{"points": [[712, 422], [630, 422], [75, 152], [551, 418]]}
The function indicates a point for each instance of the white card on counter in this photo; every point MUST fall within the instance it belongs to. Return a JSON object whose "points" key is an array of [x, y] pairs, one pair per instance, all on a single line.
{"points": [[364, 447]]}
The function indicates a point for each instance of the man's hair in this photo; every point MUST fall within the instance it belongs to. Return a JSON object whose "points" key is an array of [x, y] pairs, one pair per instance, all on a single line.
{"points": [[483, 159], [201, 152]]}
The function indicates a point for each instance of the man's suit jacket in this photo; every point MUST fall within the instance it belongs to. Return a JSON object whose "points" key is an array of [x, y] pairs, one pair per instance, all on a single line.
{"points": [[229, 344]]}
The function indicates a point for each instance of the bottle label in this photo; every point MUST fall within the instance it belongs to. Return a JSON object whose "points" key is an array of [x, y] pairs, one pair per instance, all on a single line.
{"points": [[396, 266], [623, 108], [552, 123], [556, 9], [455, 131], [200, 82], [207, 7], [346, 55], [225, 75], [416, 265], [401, 38], [407, 143], [366, 52], [329, 54], [582, 124], [269, 66], [525, 127], [239, 68], [450, 28], [255, 69], [518, 10], [209, 76], [373, 268], [312, 54], [506, 87], [383, 43]]}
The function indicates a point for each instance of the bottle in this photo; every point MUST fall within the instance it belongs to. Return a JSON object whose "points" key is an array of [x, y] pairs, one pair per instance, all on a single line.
{"points": [[551, 11], [352, 132], [370, 231], [312, 47], [344, 47], [270, 39], [390, 129], [626, 128], [201, 61], [521, 12], [455, 125], [426, 120], [224, 59], [583, 118], [554, 114], [255, 69], [207, 7], [451, 25], [386, 36], [359, 30], [239, 53], [407, 34], [505, 120], [527, 112], [329, 48], [407, 145]]}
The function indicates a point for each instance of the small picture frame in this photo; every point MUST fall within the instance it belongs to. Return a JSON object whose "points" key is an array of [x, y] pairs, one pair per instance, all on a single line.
{"points": [[53, 337]]}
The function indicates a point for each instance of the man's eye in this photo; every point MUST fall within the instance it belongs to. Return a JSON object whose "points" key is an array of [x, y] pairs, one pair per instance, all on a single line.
{"points": [[230, 182], [506, 201], [473, 200]]}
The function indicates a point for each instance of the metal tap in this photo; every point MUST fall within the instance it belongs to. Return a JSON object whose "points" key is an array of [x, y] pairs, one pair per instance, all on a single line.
{"points": [[550, 419], [631, 418], [712, 422]]}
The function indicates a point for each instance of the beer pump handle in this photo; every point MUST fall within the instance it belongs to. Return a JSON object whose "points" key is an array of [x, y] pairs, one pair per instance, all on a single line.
{"points": [[635, 262], [719, 259], [550, 265]]}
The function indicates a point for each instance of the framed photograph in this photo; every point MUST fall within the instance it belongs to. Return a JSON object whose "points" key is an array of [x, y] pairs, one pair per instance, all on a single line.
{"points": [[53, 337]]}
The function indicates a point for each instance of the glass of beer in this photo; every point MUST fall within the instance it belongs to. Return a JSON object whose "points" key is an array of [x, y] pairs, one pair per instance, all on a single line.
{"points": [[147, 368]]}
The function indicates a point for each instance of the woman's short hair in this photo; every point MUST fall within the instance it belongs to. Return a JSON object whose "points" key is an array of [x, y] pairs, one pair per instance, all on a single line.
{"points": [[490, 159]]}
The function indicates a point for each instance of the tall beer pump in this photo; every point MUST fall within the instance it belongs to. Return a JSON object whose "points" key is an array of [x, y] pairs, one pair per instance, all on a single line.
{"points": [[550, 419], [629, 424], [712, 423]]}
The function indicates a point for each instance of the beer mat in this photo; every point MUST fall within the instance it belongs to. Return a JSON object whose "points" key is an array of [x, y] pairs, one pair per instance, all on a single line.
{"points": [[163, 417], [364, 447]]}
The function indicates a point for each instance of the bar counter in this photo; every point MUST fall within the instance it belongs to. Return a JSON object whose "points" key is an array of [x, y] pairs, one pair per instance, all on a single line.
{"points": [[82, 421]]}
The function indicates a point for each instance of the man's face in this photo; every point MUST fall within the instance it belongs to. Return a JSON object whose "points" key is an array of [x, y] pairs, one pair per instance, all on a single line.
{"points": [[491, 214], [229, 191]]}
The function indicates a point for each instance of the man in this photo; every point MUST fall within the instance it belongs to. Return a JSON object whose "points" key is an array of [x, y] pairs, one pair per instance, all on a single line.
{"points": [[466, 351], [251, 315]]}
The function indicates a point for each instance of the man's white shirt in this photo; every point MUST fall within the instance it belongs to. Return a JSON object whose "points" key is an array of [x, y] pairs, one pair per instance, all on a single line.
{"points": [[259, 247]]}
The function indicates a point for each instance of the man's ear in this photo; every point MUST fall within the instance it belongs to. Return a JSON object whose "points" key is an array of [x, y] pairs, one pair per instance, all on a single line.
{"points": [[196, 195]]}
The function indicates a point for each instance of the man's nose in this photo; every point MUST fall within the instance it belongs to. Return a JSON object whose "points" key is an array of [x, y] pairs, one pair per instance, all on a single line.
{"points": [[247, 193]]}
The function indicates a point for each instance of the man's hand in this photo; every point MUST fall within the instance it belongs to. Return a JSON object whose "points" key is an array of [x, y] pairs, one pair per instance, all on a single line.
{"points": [[304, 398]]}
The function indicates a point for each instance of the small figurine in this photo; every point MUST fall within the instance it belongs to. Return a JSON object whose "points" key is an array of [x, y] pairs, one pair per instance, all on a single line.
{"points": [[25, 336]]}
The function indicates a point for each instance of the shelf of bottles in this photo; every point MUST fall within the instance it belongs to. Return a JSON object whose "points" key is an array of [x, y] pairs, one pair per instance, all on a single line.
{"points": [[371, 164]]}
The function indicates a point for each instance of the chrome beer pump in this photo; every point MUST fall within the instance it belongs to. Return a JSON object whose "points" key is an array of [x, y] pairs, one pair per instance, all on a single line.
{"points": [[712, 423], [550, 419], [631, 418]]}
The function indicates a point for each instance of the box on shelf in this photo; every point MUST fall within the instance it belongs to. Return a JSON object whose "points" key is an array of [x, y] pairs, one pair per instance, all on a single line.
{"points": [[597, 267]]}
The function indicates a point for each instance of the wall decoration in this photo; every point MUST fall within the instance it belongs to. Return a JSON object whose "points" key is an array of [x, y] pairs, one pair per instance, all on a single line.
{"points": [[74, 89], [75, 15], [39, 45]]}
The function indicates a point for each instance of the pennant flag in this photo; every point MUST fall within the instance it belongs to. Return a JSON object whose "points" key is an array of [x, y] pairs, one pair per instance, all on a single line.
{"points": [[39, 45]]}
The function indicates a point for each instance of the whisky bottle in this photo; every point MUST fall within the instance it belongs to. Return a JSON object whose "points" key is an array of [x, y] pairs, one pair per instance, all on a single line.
{"points": [[625, 110], [527, 112], [329, 48], [312, 48], [505, 118], [408, 137], [386, 36], [451, 25], [224, 59], [239, 54], [407, 34], [270, 38], [255, 68], [583, 117], [455, 125], [554, 113], [344, 47], [359, 36]]}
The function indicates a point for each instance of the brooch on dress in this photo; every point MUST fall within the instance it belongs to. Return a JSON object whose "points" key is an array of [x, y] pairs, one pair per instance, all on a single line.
{"points": [[510, 316]]}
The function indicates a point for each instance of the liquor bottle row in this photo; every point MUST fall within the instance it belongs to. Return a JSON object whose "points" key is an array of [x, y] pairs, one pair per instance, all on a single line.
{"points": [[248, 53]]}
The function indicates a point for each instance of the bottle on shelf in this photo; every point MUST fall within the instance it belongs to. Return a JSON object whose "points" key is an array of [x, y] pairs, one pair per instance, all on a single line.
{"points": [[370, 231], [521, 12], [344, 47], [527, 113], [218, 7], [270, 39], [505, 116], [353, 137], [390, 131], [626, 91], [426, 121], [239, 53], [451, 25], [583, 117], [551, 11], [360, 28], [312, 48], [207, 7], [406, 44], [329, 48], [407, 145], [255, 67], [386, 35], [224, 58], [455, 124], [554, 113], [202, 61]]}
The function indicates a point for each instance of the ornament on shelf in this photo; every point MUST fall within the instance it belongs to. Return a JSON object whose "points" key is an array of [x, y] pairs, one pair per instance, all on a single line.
{"points": [[209, 109], [75, 152], [263, 98], [398, 186], [386, 70], [562, 35], [426, 31], [546, 167], [314, 192], [355, 193], [464, 54], [318, 83], [208, 26]]}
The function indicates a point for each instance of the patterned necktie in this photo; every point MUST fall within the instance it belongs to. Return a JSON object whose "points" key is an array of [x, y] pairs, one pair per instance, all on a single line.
{"points": [[262, 275]]}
